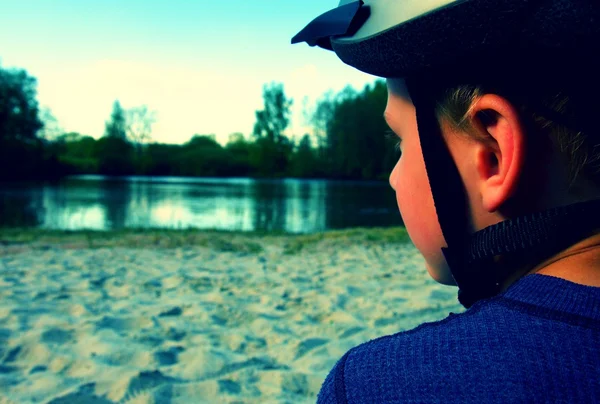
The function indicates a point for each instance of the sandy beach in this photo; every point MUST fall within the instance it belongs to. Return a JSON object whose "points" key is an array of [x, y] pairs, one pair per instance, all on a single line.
{"points": [[199, 317]]}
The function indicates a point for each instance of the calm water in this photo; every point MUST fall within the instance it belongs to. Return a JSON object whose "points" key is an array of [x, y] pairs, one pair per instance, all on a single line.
{"points": [[298, 206]]}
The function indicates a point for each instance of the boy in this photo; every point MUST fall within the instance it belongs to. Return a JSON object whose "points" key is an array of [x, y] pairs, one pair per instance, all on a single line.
{"points": [[494, 102]]}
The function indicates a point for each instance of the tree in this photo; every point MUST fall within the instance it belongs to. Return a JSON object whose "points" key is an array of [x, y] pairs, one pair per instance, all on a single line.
{"points": [[117, 126], [18, 106], [139, 124], [272, 121], [272, 149], [355, 133], [239, 150], [202, 141], [51, 129], [236, 138], [321, 118], [76, 153], [21, 153], [203, 156], [304, 161], [161, 159], [139, 121], [115, 156], [114, 152]]}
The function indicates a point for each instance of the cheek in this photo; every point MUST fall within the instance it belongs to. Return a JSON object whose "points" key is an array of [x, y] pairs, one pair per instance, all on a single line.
{"points": [[415, 202]]}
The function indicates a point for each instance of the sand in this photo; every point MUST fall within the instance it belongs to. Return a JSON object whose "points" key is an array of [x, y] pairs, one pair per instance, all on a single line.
{"points": [[197, 324]]}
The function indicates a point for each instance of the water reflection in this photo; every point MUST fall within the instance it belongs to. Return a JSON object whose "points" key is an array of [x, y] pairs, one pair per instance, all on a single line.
{"points": [[297, 206], [116, 196], [20, 208], [306, 204]]}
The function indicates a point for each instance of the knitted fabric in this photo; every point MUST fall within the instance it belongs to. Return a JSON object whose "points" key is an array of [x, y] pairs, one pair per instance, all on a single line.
{"points": [[538, 342]]}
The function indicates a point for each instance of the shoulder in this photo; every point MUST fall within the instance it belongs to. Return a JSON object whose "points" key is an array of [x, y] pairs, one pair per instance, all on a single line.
{"points": [[394, 362], [429, 362], [535, 343]]}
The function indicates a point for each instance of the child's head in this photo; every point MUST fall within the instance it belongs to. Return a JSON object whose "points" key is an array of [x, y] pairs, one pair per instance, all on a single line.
{"points": [[496, 128], [513, 156]]}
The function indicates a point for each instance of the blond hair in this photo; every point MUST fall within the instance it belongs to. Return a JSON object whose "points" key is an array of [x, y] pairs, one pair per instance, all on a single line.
{"points": [[554, 117]]}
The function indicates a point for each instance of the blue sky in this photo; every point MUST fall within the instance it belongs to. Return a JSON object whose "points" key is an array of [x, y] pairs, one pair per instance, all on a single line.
{"points": [[199, 64]]}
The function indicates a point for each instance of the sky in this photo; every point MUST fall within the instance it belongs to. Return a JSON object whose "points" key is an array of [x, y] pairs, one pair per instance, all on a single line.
{"points": [[200, 65]]}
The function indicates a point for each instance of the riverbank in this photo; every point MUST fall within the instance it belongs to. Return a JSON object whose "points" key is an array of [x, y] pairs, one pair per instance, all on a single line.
{"points": [[199, 316], [12, 240]]}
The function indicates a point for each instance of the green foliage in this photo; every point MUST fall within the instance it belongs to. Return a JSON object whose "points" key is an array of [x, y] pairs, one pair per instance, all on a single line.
{"points": [[115, 156], [347, 140], [75, 153], [272, 121], [239, 151], [21, 151], [51, 128], [202, 156], [19, 119], [116, 127], [160, 159], [270, 158], [272, 150], [337, 239], [225, 241], [202, 141], [355, 132], [114, 152], [239, 242], [304, 162]]}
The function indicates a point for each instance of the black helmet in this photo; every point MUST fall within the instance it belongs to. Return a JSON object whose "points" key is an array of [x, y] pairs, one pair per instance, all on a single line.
{"points": [[423, 41]]}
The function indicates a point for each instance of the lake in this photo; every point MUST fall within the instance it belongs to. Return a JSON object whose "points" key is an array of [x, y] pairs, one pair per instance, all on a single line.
{"points": [[241, 204]]}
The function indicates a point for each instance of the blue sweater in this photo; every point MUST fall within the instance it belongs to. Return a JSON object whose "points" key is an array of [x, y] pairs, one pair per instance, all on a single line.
{"points": [[538, 342]]}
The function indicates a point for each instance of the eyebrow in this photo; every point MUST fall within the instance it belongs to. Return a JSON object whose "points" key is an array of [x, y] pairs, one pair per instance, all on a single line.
{"points": [[385, 118], [387, 122]]}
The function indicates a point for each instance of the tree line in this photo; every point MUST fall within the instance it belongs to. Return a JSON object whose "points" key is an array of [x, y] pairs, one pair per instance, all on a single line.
{"points": [[347, 141]]}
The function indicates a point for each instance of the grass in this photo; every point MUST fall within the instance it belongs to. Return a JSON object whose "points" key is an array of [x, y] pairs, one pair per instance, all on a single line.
{"points": [[225, 241], [335, 238], [135, 238]]}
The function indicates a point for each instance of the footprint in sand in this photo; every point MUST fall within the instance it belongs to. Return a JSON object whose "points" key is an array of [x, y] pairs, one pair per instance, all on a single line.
{"points": [[147, 380], [168, 357], [56, 336], [308, 345], [218, 320], [176, 335], [121, 325], [38, 369], [174, 312], [227, 386], [351, 331], [4, 369], [295, 383], [85, 394], [12, 355], [114, 323]]}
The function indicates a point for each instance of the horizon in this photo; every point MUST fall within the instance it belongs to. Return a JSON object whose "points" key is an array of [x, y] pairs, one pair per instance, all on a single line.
{"points": [[86, 56]]}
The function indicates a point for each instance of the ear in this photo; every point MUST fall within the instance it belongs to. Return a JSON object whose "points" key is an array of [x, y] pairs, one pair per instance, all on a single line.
{"points": [[500, 160]]}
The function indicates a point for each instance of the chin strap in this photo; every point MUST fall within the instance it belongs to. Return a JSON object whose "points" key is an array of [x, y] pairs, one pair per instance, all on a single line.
{"points": [[483, 261], [494, 253]]}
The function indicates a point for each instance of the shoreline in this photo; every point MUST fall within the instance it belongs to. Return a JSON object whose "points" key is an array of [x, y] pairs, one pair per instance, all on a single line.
{"points": [[11, 239]]}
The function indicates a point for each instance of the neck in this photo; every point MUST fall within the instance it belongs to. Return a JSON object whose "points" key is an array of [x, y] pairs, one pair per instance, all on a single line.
{"points": [[579, 263]]}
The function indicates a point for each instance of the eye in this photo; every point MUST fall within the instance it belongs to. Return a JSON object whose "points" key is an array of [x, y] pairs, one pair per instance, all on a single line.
{"points": [[391, 136]]}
